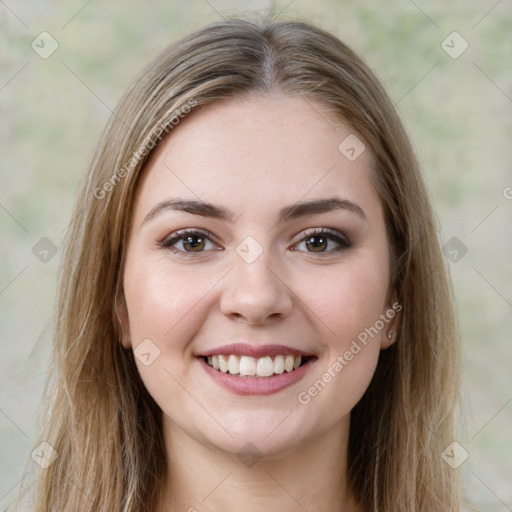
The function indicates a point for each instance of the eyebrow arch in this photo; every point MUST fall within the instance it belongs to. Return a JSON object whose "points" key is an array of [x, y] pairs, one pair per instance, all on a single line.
{"points": [[293, 211]]}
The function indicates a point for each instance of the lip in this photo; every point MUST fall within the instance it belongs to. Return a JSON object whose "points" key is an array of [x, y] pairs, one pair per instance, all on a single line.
{"points": [[257, 386], [243, 349]]}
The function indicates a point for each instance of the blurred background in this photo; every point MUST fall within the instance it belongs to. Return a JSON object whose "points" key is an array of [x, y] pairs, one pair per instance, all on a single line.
{"points": [[447, 67]]}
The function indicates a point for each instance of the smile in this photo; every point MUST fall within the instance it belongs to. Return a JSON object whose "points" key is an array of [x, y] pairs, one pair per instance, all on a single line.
{"points": [[256, 376]]}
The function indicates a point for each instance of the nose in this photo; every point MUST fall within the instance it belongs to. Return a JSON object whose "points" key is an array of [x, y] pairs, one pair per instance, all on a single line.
{"points": [[255, 292]]}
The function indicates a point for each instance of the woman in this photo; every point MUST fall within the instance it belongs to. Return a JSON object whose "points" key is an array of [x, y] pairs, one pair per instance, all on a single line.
{"points": [[253, 310]]}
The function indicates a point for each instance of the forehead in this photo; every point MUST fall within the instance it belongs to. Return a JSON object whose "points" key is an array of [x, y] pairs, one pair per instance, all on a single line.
{"points": [[257, 152]]}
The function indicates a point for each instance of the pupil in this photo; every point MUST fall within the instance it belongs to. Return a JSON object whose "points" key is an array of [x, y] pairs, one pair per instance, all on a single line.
{"points": [[320, 244]]}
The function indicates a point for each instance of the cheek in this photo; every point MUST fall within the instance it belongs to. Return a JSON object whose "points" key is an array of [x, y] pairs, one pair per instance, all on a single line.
{"points": [[349, 302], [164, 307], [162, 303], [349, 299], [352, 330]]}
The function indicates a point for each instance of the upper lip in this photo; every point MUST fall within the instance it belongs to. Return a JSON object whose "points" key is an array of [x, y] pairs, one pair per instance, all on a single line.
{"points": [[243, 349]]}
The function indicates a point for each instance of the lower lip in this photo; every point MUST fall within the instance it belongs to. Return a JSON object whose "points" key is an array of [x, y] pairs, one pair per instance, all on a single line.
{"points": [[260, 385]]}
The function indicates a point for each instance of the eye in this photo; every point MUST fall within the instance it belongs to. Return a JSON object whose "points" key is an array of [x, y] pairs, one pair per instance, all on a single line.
{"points": [[192, 241], [317, 241]]}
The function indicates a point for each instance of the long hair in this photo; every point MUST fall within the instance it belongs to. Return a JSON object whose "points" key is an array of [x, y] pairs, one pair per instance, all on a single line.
{"points": [[102, 423]]}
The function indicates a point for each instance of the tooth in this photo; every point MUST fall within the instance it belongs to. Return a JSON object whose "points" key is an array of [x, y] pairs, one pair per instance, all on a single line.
{"points": [[288, 363], [234, 364], [247, 365], [265, 367], [279, 364], [261, 367], [223, 364]]}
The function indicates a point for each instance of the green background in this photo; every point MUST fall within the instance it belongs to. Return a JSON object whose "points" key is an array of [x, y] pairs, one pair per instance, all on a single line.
{"points": [[457, 111]]}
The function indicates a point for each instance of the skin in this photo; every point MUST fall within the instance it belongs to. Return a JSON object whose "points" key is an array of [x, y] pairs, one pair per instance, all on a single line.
{"points": [[253, 155]]}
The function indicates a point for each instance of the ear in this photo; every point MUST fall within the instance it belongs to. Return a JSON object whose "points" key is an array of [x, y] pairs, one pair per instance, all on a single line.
{"points": [[122, 320], [392, 316]]}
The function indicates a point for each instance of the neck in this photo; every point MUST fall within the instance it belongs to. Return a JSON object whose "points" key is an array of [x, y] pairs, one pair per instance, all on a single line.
{"points": [[311, 476]]}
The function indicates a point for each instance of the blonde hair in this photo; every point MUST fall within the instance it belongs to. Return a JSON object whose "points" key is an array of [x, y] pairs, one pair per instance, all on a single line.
{"points": [[101, 420]]}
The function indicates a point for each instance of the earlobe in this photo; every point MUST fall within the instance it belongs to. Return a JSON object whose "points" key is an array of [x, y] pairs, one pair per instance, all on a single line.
{"points": [[391, 332], [122, 321], [389, 339]]}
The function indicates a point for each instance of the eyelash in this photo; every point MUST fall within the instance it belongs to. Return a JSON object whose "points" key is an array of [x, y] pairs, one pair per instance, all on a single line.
{"points": [[329, 233]]}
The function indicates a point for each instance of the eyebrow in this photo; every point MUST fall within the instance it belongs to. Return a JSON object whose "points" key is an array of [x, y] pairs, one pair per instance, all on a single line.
{"points": [[293, 211]]}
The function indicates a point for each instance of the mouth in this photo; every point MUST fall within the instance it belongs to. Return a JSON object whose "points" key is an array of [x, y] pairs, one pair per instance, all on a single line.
{"points": [[248, 367], [256, 369], [246, 375]]}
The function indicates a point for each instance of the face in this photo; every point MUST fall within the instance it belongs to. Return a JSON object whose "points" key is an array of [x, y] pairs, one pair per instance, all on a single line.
{"points": [[284, 253]]}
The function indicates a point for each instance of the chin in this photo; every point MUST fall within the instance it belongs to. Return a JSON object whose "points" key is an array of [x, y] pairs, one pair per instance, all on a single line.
{"points": [[268, 439]]}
